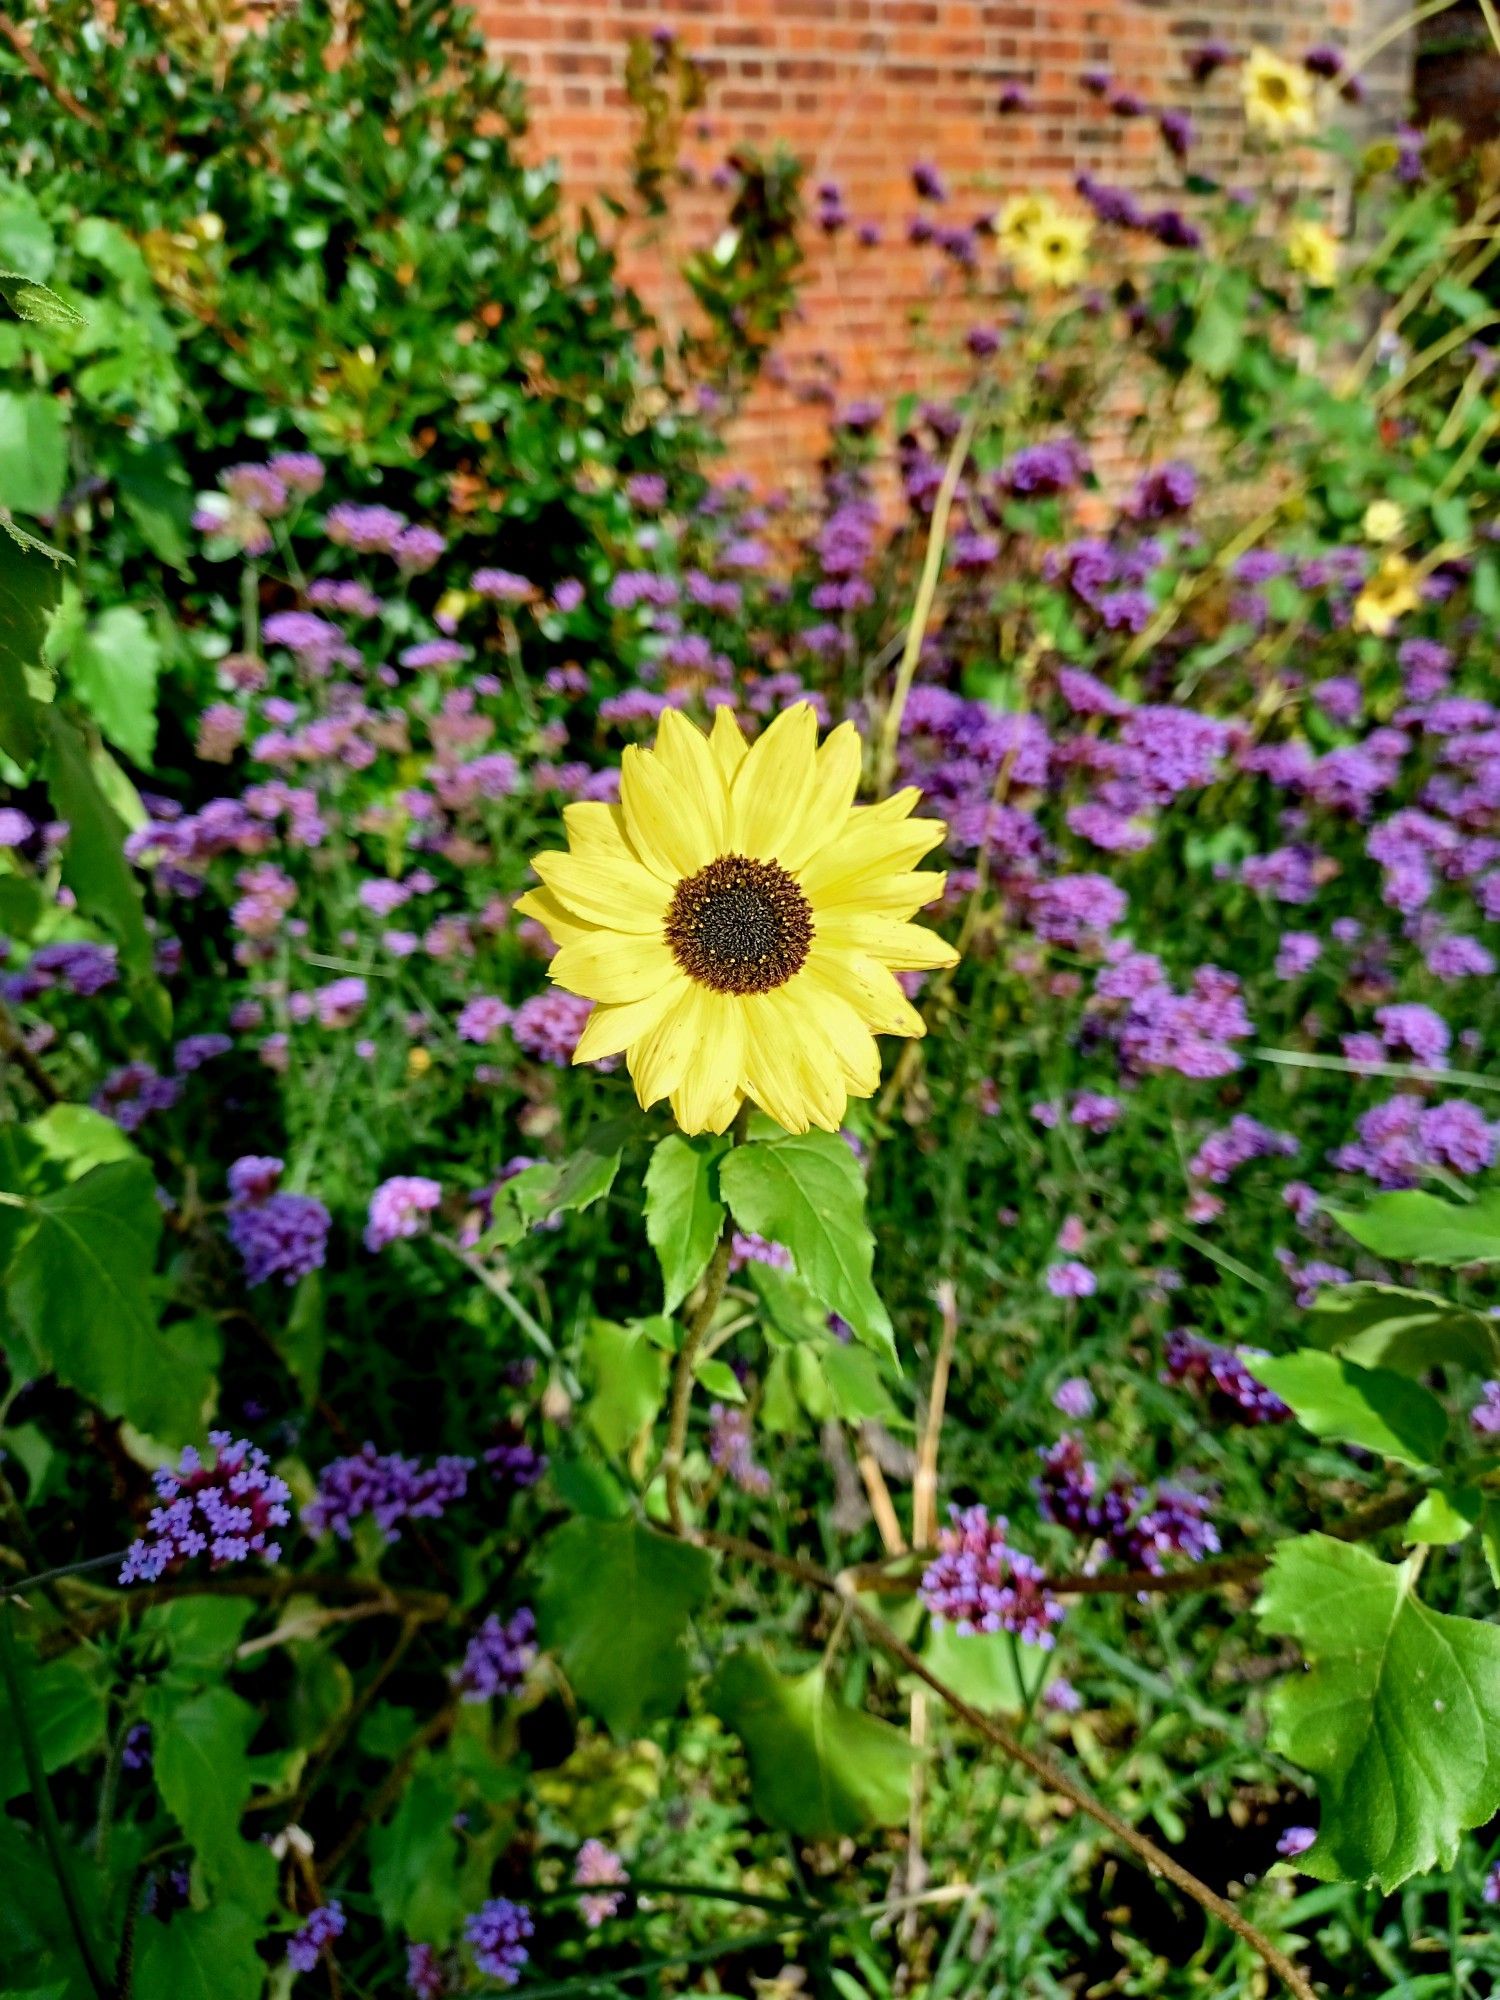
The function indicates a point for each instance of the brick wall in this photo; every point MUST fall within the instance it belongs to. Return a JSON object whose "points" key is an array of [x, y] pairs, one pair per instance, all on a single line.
{"points": [[860, 89]]}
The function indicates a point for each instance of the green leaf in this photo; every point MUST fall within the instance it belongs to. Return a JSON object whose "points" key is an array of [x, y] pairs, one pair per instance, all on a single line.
{"points": [[414, 1860], [94, 864], [80, 1290], [201, 1955], [614, 1601], [817, 1767], [1397, 1717], [1387, 1326], [30, 300], [588, 1173], [1443, 1517], [199, 1633], [806, 1192], [684, 1215], [719, 1379], [1410, 1227], [855, 1384], [630, 1377], [33, 451], [80, 1138], [1372, 1407], [36, 1940], [30, 586], [1218, 334], [66, 1703], [158, 496], [981, 1666], [112, 668], [199, 1748]]}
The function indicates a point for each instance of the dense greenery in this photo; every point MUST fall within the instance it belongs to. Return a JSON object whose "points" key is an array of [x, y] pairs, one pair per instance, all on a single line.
{"points": [[568, 1595]]}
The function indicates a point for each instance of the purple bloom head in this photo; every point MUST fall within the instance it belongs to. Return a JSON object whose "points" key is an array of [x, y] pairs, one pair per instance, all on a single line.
{"points": [[499, 1657], [601, 1871], [224, 1509], [282, 1236], [978, 1583], [1070, 1280], [498, 1934], [316, 1937], [401, 1206]]}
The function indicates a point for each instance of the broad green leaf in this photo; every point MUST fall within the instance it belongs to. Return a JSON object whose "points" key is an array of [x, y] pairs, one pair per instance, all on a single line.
{"points": [[1372, 1407], [982, 1666], [817, 1767], [1386, 1326], [1397, 1715], [199, 1750], [629, 1375], [1489, 1538], [30, 586], [94, 864], [1410, 1227], [588, 1173], [855, 1384], [158, 496], [36, 1941], [614, 1601], [30, 300], [80, 1138], [806, 1192], [684, 1215], [414, 1860], [66, 1703], [112, 668], [80, 1289], [199, 1633], [201, 1955], [33, 451], [719, 1379], [1444, 1517]]}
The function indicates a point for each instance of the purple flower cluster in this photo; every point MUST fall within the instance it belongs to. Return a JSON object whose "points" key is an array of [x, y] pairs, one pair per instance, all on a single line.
{"points": [[1221, 1374], [978, 1583], [390, 1488], [1234, 1145], [224, 1508], [401, 1206], [316, 1938], [1138, 1526], [498, 1658], [731, 1446], [600, 1871], [277, 1235], [498, 1934], [1400, 1139]]}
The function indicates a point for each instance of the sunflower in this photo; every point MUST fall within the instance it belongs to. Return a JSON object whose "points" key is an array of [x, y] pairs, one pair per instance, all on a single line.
{"points": [[1279, 98], [1313, 249], [738, 921], [1054, 250], [1387, 596], [1021, 216]]}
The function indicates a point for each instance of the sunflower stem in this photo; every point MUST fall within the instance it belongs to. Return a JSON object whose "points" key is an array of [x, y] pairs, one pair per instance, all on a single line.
{"points": [[715, 1279]]}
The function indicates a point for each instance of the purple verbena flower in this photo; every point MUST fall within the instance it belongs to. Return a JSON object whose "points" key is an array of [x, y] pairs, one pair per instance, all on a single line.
{"points": [[499, 1657], [978, 1583], [389, 1488], [316, 1937], [600, 1870], [498, 1935], [399, 1207], [222, 1509]]}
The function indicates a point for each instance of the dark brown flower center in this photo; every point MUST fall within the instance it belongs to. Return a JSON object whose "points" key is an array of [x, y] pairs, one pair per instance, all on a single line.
{"points": [[740, 926]]}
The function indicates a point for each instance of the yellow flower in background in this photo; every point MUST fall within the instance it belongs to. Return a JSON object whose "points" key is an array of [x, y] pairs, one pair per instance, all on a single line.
{"points": [[1383, 521], [1313, 249], [739, 921], [1054, 251], [1388, 595], [1279, 96], [1021, 216]]}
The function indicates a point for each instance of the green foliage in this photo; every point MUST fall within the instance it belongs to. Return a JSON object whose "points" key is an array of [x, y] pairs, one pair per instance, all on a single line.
{"points": [[807, 1193], [203, 1955], [684, 1214], [1411, 1227], [1374, 1408], [1397, 1717], [817, 1767], [1387, 1326], [615, 1599]]}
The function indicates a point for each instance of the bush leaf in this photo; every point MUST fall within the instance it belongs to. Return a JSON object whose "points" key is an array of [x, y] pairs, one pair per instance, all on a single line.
{"points": [[614, 1601], [1374, 1408], [806, 1191], [1397, 1717], [684, 1214], [817, 1767], [1410, 1227]]}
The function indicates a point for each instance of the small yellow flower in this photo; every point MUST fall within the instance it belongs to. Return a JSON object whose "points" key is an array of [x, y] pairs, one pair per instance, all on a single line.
{"points": [[1279, 99], [1383, 521], [1389, 594], [1313, 249], [1055, 250], [453, 604], [739, 921], [418, 1060]]}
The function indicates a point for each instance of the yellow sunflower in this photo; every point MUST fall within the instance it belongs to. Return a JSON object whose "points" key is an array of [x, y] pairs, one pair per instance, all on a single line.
{"points": [[1313, 249], [1279, 96], [1388, 595], [738, 921], [1054, 251], [1021, 216]]}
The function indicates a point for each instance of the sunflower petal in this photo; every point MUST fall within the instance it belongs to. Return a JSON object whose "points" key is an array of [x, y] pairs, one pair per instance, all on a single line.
{"points": [[618, 895], [773, 785], [664, 823], [683, 751], [867, 986], [712, 1075], [727, 742], [611, 1029], [865, 848], [903, 947], [596, 828], [658, 1060], [616, 967], [559, 924], [835, 781]]}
